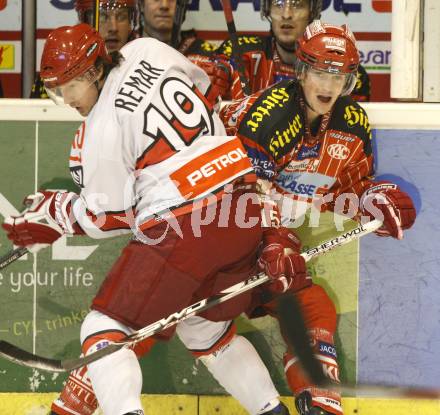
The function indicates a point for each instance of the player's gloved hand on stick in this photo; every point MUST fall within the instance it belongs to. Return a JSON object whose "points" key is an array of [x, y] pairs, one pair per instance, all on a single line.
{"points": [[385, 201], [280, 259], [219, 73], [44, 221]]}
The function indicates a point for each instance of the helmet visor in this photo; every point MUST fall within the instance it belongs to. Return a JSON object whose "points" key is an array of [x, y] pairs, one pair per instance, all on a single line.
{"points": [[72, 91], [291, 3], [340, 81]]}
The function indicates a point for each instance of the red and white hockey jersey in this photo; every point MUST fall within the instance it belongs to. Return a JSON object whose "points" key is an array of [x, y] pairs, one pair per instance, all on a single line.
{"points": [[151, 144]]}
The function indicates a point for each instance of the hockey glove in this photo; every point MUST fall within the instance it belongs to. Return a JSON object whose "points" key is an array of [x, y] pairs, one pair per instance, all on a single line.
{"points": [[386, 202], [219, 72], [280, 259], [44, 221]]}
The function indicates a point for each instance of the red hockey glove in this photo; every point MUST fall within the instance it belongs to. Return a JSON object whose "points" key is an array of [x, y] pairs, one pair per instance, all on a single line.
{"points": [[219, 72], [385, 201], [280, 259], [44, 221]]}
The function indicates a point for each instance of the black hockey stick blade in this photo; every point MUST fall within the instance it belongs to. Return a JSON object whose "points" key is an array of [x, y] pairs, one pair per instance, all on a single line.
{"points": [[12, 256], [24, 358], [294, 330]]}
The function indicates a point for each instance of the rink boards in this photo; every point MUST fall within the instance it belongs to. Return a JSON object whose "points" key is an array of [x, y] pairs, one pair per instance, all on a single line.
{"points": [[68, 275], [394, 339]]}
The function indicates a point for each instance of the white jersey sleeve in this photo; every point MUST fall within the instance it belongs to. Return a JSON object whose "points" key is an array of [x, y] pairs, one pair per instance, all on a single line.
{"points": [[151, 145]]}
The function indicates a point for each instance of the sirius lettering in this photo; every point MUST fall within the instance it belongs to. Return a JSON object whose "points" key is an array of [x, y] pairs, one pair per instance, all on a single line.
{"points": [[135, 88], [286, 136], [277, 97], [216, 165]]}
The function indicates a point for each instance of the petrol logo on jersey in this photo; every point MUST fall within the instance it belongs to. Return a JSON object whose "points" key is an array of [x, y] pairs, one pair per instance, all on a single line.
{"points": [[307, 152], [338, 151], [276, 98], [211, 170], [284, 137], [356, 116]]}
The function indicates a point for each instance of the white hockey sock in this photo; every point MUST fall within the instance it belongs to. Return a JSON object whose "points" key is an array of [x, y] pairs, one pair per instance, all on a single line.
{"points": [[117, 382], [239, 369]]}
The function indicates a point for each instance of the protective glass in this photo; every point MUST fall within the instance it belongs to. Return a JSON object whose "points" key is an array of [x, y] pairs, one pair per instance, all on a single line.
{"points": [[345, 82], [73, 90]]}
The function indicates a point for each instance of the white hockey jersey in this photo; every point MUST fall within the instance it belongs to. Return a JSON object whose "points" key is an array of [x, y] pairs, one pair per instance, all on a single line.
{"points": [[151, 144]]}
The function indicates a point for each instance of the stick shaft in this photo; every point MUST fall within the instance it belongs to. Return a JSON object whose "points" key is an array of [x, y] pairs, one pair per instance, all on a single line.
{"points": [[13, 353], [12, 256], [236, 55]]}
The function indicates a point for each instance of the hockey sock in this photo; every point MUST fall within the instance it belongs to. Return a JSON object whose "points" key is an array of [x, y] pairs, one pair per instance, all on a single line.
{"points": [[239, 369]]}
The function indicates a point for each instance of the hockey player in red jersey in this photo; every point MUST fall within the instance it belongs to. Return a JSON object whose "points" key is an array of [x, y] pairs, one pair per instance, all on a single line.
{"points": [[310, 143], [270, 59], [152, 159]]}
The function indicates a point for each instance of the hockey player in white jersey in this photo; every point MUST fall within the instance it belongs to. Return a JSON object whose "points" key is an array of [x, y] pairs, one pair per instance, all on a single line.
{"points": [[152, 158]]}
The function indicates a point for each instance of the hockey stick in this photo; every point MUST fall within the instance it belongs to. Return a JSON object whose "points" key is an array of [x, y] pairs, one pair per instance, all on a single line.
{"points": [[19, 356], [95, 11], [12, 256], [179, 16], [229, 17]]}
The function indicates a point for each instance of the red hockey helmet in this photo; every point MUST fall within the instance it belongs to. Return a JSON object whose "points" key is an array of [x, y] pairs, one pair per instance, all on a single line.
{"points": [[328, 48], [70, 52]]}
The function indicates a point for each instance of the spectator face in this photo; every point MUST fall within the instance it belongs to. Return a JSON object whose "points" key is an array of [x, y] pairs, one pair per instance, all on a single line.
{"points": [[158, 18], [289, 20], [115, 27]]}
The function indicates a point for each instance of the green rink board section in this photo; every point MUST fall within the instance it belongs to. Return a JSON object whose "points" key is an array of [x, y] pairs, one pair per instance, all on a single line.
{"points": [[70, 272], [39, 404]]}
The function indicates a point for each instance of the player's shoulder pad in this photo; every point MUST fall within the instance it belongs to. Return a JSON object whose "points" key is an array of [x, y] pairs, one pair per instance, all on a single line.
{"points": [[348, 116], [274, 119], [247, 43]]}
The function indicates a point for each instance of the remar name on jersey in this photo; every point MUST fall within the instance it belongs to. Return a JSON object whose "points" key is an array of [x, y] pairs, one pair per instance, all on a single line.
{"points": [[132, 92]]}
